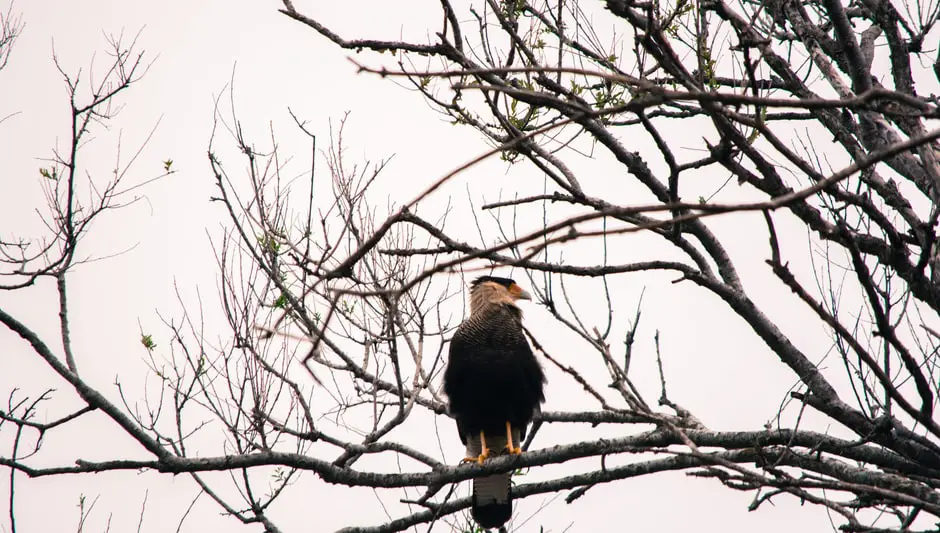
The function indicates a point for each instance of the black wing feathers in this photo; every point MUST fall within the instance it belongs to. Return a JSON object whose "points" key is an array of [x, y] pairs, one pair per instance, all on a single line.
{"points": [[492, 376]]}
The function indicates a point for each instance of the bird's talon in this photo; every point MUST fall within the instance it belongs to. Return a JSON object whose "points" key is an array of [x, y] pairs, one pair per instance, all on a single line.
{"points": [[478, 459], [513, 450]]}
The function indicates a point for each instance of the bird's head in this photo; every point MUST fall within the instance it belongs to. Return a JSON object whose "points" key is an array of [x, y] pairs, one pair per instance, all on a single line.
{"points": [[492, 290]]}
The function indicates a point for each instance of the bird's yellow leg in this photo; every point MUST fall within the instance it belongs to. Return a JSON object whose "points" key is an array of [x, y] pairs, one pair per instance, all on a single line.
{"points": [[513, 450], [485, 452]]}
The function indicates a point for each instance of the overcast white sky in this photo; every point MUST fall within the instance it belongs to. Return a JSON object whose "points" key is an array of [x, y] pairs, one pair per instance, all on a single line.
{"points": [[277, 63]]}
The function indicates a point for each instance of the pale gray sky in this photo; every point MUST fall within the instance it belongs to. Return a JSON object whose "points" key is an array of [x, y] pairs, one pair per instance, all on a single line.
{"points": [[163, 240]]}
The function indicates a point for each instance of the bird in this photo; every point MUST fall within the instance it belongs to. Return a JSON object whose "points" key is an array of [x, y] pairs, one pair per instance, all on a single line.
{"points": [[495, 386]]}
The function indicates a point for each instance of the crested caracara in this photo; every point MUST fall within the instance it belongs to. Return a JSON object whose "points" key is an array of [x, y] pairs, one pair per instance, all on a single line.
{"points": [[494, 384]]}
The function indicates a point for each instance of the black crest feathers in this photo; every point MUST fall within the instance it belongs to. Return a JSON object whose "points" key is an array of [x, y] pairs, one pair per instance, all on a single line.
{"points": [[505, 282]]}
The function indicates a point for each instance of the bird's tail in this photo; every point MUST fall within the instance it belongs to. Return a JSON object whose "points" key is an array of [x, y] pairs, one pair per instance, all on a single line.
{"points": [[492, 495]]}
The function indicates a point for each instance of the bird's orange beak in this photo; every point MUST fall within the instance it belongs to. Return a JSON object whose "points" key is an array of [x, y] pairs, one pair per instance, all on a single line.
{"points": [[519, 293]]}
